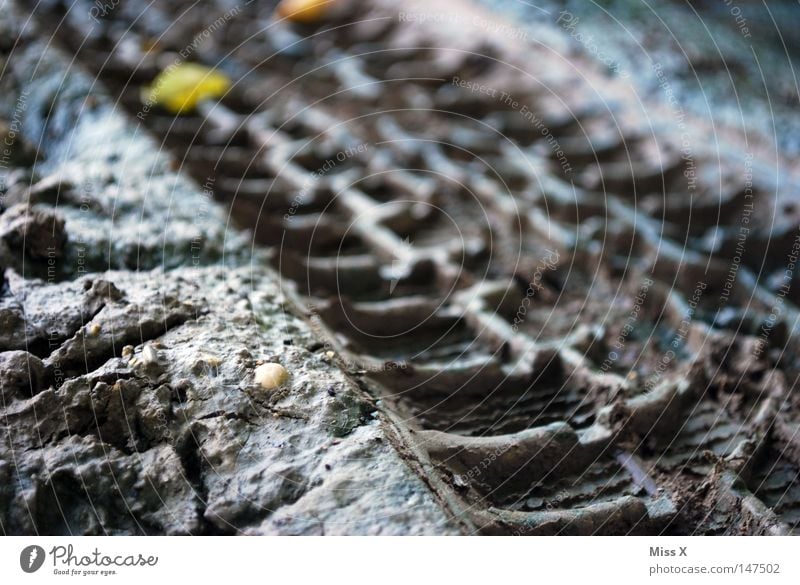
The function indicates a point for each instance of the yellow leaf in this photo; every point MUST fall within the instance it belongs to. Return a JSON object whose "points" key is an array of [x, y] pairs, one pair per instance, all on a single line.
{"points": [[303, 11], [181, 87]]}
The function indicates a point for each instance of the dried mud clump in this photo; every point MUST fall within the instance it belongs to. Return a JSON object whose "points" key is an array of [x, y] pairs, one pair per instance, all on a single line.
{"points": [[21, 374], [37, 231]]}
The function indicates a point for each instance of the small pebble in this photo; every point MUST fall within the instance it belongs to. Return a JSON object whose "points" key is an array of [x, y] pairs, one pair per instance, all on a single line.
{"points": [[460, 482], [329, 354], [149, 355], [94, 330], [271, 376], [331, 391]]}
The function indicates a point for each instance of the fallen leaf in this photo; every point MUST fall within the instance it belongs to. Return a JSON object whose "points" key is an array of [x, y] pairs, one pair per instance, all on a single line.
{"points": [[181, 87]]}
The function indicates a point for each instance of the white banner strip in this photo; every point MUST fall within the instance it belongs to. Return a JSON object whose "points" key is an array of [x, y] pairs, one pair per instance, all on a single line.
{"points": [[354, 560]]}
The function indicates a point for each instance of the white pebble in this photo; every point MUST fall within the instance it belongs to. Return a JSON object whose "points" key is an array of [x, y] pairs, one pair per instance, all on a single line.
{"points": [[149, 355], [271, 376]]}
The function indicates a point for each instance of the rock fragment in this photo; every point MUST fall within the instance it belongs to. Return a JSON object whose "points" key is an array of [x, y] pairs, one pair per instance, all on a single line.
{"points": [[38, 231], [303, 11], [21, 374]]}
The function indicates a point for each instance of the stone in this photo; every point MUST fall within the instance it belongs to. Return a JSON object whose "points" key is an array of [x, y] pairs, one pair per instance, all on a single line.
{"points": [[271, 376], [21, 374]]}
